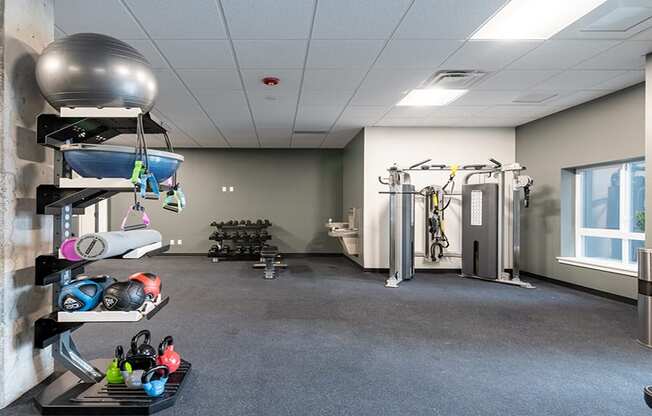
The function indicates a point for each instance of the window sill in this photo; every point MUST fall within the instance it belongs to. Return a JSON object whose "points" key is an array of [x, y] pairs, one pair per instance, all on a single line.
{"points": [[599, 265]]}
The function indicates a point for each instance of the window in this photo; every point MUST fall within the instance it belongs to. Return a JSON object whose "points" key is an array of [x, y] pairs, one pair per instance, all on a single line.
{"points": [[610, 213]]}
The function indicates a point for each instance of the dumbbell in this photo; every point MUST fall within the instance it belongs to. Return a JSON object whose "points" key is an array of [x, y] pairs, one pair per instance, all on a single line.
{"points": [[213, 224], [248, 222], [267, 223], [255, 250], [214, 236], [238, 250], [243, 222], [259, 222], [264, 236]]}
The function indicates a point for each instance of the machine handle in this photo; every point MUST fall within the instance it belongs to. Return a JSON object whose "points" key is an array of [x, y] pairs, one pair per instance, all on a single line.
{"points": [[495, 162], [380, 179], [419, 164]]}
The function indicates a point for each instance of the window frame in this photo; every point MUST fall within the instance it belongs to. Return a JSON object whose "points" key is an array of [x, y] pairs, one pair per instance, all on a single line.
{"points": [[623, 233]]}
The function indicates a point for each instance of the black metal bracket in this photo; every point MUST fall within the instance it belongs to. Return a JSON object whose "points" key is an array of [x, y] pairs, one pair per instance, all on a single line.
{"points": [[50, 198], [53, 131], [47, 329]]}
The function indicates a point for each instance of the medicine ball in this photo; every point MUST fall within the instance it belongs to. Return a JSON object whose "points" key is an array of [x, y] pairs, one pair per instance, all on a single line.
{"points": [[151, 282], [124, 296], [80, 295]]}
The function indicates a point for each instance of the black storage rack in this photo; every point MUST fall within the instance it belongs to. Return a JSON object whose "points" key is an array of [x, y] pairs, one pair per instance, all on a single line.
{"points": [[83, 388]]}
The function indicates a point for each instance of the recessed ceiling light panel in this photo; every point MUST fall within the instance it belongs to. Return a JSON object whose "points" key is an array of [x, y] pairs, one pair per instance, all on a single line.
{"points": [[534, 19], [431, 97]]}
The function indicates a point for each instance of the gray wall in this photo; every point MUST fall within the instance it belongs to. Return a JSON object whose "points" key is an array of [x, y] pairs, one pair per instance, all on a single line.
{"points": [[607, 129], [297, 190], [353, 184]]}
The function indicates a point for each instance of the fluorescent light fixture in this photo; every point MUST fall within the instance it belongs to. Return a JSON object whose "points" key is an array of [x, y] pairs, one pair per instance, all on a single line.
{"points": [[534, 19], [431, 97]]}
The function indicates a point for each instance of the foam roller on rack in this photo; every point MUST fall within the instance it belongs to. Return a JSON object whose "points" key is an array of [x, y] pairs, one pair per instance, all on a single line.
{"points": [[96, 246]]}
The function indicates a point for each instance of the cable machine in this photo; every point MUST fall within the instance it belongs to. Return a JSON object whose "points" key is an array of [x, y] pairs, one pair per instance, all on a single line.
{"points": [[483, 220]]}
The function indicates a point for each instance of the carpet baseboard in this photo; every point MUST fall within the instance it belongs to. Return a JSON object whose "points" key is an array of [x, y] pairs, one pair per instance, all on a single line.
{"points": [[429, 271], [584, 289], [286, 255]]}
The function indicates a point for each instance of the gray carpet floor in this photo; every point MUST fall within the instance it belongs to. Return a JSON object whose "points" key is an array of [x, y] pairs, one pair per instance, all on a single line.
{"points": [[328, 339]]}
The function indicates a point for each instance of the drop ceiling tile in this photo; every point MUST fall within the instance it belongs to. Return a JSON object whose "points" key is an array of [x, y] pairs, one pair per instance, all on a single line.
{"points": [[199, 80], [446, 19], [394, 79], [625, 80], [243, 141], [75, 16], [268, 19], [373, 97], [514, 80], [409, 112], [326, 97], [290, 79], [562, 54], [402, 122], [332, 79], [360, 19], [360, 116], [150, 53], [577, 80], [511, 111], [307, 140], [316, 117], [456, 112], [343, 53], [627, 55], [414, 54], [201, 129], [226, 108], [275, 137], [170, 19], [197, 54], [489, 55], [486, 98], [286, 54], [273, 114]]}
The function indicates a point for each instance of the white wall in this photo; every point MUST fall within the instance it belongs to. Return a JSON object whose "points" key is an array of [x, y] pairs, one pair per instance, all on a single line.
{"points": [[404, 146]]}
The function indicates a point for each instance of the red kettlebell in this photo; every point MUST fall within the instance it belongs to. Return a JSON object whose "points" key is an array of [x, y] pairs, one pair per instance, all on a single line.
{"points": [[167, 356]]}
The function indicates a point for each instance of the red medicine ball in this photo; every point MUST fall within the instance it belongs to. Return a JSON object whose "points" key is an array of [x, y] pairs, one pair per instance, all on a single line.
{"points": [[151, 282]]}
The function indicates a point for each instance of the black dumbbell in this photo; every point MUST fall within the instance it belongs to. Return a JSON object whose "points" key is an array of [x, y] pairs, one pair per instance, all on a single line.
{"points": [[213, 224], [267, 223]]}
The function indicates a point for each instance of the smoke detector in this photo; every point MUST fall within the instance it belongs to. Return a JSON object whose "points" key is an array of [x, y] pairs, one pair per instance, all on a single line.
{"points": [[271, 81], [453, 79]]}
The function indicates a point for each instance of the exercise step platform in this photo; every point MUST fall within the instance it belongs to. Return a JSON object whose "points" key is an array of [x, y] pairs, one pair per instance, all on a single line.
{"points": [[67, 395]]}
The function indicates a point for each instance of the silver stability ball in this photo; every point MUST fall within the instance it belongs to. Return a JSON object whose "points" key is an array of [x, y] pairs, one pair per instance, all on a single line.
{"points": [[93, 70]]}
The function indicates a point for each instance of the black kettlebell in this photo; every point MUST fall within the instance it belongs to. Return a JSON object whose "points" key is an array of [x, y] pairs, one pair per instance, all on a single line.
{"points": [[141, 354]]}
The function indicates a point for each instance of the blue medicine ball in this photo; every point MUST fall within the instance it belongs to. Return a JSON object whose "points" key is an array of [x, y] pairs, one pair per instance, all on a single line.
{"points": [[80, 295]]}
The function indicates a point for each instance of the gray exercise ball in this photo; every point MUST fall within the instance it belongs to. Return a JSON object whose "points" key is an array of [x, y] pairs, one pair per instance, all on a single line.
{"points": [[93, 70]]}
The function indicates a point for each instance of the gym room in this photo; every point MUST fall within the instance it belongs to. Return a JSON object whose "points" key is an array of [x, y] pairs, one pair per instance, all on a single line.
{"points": [[325, 207]]}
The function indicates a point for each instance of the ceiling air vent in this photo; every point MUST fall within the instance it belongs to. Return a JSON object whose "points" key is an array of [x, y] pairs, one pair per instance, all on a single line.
{"points": [[535, 98], [310, 131], [453, 80]]}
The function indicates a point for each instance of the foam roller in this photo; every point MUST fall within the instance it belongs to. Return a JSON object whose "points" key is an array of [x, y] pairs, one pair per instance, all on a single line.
{"points": [[98, 246]]}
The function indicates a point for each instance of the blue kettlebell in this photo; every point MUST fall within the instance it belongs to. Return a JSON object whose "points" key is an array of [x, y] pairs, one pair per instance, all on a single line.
{"points": [[155, 388]]}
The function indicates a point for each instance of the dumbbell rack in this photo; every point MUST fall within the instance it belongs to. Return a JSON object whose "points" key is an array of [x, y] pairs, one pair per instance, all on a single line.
{"points": [[243, 242], [83, 388]]}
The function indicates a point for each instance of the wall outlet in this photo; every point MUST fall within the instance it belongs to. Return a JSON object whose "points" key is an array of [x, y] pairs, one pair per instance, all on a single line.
{"points": [[171, 242], [231, 188], [224, 189], [179, 242]]}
